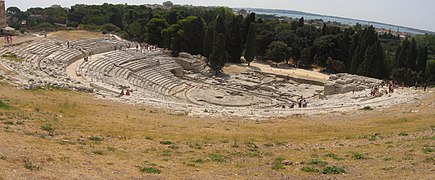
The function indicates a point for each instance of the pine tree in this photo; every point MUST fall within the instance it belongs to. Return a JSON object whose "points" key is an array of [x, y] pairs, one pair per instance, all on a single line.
{"points": [[218, 56], [251, 45]]}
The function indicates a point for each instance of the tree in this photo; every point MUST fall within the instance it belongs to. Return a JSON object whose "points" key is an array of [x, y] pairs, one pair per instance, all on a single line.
{"points": [[192, 34], [247, 25], [13, 10], [278, 51], [220, 25], [208, 41], [218, 56], [411, 57], [306, 58], [251, 45], [422, 60], [234, 43], [135, 30], [301, 22], [109, 28], [154, 30]]}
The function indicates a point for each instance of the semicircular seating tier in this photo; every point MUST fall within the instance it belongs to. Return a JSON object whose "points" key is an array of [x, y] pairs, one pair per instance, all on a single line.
{"points": [[130, 68]]}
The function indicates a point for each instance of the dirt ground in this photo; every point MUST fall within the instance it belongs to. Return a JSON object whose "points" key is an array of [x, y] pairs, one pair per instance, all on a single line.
{"points": [[294, 72], [74, 35], [56, 134]]}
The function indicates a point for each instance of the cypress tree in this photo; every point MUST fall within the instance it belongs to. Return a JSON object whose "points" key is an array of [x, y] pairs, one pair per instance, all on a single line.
{"points": [[301, 22], [411, 58], [220, 25], [208, 41], [422, 60], [234, 44], [251, 45], [218, 56], [247, 24]]}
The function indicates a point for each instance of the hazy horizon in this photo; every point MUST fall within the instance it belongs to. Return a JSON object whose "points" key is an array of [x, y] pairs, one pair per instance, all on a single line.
{"points": [[414, 14]]}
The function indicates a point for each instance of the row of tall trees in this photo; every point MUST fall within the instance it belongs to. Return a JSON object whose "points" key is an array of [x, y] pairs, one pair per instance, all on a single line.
{"points": [[222, 36]]}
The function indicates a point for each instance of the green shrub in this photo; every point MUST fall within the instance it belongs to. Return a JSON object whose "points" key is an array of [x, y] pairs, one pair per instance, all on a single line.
{"points": [[317, 162], [357, 155], [150, 170], [277, 163], [96, 138], [427, 150], [309, 169], [403, 134], [4, 106], [216, 158], [166, 142], [9, 122], [173, 146], [334, 156], [48, 128], [333, 170]]}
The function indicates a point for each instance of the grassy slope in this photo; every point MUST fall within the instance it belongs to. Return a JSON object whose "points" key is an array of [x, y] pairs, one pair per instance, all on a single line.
{"points": [[132, 138]]}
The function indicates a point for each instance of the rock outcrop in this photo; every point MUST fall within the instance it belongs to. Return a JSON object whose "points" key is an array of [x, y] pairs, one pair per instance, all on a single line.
{"points": [[343, 83]]}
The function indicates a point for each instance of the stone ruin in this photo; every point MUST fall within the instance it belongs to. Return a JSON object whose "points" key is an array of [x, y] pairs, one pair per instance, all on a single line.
{"points": [[183, 83], [343, 83]]}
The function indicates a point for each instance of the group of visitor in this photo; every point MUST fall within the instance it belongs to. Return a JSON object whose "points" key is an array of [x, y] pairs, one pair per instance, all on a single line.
{"points": [[8, 39]]}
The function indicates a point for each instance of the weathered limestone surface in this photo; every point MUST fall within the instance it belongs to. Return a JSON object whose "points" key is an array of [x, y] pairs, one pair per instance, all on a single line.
{"points": [[343, 83]]}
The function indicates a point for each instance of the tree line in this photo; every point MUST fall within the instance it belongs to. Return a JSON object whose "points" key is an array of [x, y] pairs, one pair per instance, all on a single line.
{"points": [[223, 36]]}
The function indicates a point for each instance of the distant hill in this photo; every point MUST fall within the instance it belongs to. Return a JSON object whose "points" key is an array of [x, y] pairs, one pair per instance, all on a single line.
{"points": [[349, 21]]}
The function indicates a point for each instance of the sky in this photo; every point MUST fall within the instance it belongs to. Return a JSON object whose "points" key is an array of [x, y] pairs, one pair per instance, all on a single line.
{"points": [[411, 13]]}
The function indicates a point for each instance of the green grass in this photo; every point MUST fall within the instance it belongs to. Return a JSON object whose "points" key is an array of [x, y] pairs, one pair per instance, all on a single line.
{"points": [[9, 123], [277, 163], [166, 142], [150, 170], [427, 150], [4, 105], [216, 158], [356, 155], [96, 138], [334, 156], [173, 146], [333, 170], [309, 169], [317, 162], [12, 57], [403, 134], [47, 127]]}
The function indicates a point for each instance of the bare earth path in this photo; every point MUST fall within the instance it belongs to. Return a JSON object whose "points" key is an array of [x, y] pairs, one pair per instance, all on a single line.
{"points": [[294, 72]]}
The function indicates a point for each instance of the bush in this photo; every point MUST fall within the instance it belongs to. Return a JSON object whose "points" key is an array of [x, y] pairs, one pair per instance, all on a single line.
{"points": [[309, 169], [277, 163], [166, 142], [48, 128], [333, 170], [333, 156], [358, 156], [216, 158], [96, 138], [317, 162], [403, 134], [150, 170]]}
